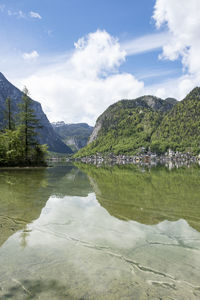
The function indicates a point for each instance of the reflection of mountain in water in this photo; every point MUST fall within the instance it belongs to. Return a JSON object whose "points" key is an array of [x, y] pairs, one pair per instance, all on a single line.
{"points": [[24, 193], [148, 196], [67, 180]]}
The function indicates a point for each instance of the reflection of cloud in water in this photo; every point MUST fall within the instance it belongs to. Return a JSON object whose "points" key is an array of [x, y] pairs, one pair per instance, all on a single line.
{"points": [[84, 219], [97, 256]]}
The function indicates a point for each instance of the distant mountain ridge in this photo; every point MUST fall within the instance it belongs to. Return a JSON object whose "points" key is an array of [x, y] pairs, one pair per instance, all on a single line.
{"points": [[46, 134], [147, 122], [74, 135]]}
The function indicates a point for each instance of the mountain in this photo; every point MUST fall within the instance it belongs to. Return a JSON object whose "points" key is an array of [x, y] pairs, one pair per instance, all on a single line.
{"points": [[46, 134], [73, 135], [128, 125], [180, 128]]}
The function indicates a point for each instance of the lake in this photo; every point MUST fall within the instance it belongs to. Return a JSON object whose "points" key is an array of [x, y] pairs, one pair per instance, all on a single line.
{"points": [[86, 232]]}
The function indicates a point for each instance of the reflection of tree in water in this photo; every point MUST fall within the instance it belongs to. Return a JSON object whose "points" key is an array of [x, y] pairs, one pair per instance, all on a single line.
{"points": [[20, 200], [23, 237], [148, 196], [34, 289], [24, 192]]}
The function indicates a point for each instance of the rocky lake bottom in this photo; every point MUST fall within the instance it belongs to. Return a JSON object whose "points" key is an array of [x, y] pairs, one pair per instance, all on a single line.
{"points": [[78, 231]]}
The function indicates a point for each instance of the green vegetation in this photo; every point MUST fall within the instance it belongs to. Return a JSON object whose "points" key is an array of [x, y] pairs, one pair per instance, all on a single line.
{"points": [[18, 141], [126, 132], [149, 123], [180, 128]]}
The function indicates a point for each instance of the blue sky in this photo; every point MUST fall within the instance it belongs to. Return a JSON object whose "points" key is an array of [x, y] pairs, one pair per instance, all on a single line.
{"points": [[143, 50], [63, 22]]}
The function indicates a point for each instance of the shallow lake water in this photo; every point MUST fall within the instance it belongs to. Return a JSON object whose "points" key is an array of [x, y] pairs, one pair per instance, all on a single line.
{"points": [[82, 232]]}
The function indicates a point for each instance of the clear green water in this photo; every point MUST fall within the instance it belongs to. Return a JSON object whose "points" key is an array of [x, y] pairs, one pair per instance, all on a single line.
{"points": [[82, 232]]}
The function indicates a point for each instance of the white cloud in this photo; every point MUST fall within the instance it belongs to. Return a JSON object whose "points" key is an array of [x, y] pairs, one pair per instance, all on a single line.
{"points": [[19, 14], [35, 15], [97, 54], [146, 43], [81, 87], [183, 22], [30, 56], [174, 87]]}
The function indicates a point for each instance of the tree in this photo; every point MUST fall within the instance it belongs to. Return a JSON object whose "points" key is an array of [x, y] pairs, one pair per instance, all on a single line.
{"points": [[8, 115], [28, 124], [11, 148], [19, 146]]}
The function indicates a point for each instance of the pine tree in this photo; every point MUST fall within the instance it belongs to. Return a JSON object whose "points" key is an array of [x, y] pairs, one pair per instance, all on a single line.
{"points": [[8, 115], [19, 146], [28, 124]]}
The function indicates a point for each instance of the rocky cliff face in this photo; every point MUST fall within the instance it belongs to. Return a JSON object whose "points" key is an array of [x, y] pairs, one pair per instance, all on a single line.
{"points": [[46, 134], [74, 135], [145, 102]]}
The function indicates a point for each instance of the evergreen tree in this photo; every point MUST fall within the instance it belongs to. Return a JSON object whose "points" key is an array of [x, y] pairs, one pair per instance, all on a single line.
{"points": [[8, 116], [28, 124], [19, 146]]}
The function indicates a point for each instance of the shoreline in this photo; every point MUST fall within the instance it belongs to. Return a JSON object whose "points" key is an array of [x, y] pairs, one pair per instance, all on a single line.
{"points": [[22, 167], [144, 159]]}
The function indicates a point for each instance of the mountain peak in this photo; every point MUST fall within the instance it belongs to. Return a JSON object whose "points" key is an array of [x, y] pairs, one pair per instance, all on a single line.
{"points": [[194, 94]]}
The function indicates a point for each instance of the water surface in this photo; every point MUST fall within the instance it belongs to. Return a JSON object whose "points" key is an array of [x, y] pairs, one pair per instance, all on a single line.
{"points": [[82, 232]]}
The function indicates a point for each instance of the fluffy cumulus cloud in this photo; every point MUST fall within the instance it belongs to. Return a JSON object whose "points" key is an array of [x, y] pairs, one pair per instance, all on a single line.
{"points": [[183, 23], [30, 56], [80, 87]]}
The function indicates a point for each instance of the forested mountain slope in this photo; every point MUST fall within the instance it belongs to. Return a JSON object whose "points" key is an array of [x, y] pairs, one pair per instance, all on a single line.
{"points": [[128, 125], [180, 128]]}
